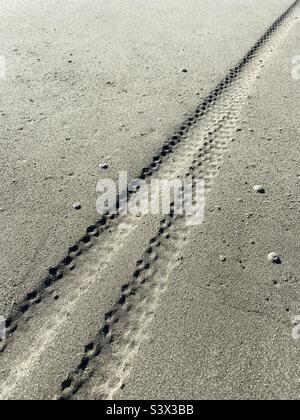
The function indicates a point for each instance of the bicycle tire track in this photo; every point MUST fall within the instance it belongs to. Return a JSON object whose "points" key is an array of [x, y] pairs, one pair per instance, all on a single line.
{"points": [[216, 127], [137, 303], [58, 272]]}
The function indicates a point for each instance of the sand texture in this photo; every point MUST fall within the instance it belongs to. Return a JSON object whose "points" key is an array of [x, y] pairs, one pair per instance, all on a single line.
{"points": [[148, 307]]}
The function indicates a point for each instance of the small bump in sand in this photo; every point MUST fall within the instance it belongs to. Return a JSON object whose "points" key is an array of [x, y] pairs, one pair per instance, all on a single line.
{"points": [[259, 189], [274, 258]]}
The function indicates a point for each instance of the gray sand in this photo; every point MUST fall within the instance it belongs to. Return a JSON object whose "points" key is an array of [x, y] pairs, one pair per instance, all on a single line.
{"points": [[224, 329], [96, 87], [52, 147]]}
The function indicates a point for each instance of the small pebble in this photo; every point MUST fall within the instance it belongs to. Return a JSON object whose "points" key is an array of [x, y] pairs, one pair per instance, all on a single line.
{"points": [[259, 189], [223, 258], [274, 258], [104, 166], [183, 70], [77, 206]]}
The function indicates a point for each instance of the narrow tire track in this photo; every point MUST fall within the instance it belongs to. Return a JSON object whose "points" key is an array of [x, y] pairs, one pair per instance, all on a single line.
{"points": [[93, 232], [141, 295]]}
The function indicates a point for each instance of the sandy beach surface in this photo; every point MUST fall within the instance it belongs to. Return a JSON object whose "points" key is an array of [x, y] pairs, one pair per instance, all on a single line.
{"points": [[148, 307]]}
